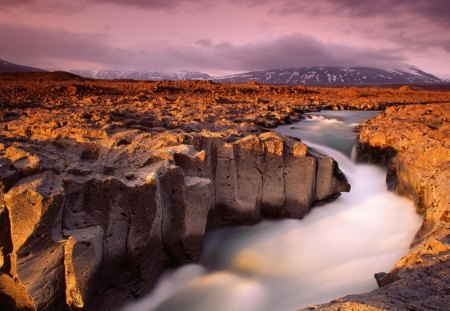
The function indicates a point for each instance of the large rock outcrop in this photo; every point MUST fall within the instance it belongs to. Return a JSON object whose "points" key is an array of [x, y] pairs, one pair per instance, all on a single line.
{"points": [[103, 215], [414, 142]]}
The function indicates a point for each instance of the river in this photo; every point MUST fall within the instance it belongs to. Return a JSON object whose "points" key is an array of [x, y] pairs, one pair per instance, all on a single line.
{"points": [[287, 264]]}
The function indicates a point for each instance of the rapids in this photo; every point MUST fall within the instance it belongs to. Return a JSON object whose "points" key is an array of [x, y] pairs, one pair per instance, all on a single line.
{"points": [[287, 264]]}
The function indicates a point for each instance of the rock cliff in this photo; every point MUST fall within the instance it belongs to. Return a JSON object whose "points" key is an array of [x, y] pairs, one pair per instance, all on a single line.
{"points": [[414, 142], [93, 217]]}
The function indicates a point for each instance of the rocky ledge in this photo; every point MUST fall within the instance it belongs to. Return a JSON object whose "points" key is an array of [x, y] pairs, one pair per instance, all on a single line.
{"points": [[414, 141], [92, 210]]}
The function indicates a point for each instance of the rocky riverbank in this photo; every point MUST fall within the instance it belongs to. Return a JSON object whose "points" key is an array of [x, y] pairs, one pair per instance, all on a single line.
{"points": [[105, 184], [414, 142], [94, 207]]}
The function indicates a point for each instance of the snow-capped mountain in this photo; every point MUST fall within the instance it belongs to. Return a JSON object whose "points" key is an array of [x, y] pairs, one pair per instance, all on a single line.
{"points": [[319, 76], [141, 75], [11, 67], [334, 76]]}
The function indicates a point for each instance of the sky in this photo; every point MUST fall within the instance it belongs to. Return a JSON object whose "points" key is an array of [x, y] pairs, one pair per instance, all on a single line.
{"points": [[227, 36]]}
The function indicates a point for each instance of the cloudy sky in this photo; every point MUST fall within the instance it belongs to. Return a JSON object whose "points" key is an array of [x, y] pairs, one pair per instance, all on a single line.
{"points": [[227, 36]]}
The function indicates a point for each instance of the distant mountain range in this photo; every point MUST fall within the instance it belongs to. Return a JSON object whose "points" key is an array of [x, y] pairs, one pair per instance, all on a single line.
{"points": [[10, 67], [316, 76], [142, 75], [334, 76]]}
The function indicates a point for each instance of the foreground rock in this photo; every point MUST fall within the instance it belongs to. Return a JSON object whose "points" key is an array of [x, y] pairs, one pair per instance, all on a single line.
{"points": [[91, 216], [414, 141]]}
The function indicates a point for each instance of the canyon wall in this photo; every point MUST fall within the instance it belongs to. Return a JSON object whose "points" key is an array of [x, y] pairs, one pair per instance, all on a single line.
{"points": [[90, 219], [414, 141]]}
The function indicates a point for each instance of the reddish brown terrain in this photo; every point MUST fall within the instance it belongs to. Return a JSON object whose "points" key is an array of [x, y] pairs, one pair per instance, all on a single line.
{"points": [[103, 184], [415, 142]]}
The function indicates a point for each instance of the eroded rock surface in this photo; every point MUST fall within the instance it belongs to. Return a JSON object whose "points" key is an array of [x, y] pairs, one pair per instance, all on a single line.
{"points": [[103, 184], [415, 142], [93, 208]]}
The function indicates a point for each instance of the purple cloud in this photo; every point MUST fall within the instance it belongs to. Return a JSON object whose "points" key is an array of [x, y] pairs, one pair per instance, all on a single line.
{"points": [[437, 11], [295, 51], [35, 46], [52, 5], [414, 27]]}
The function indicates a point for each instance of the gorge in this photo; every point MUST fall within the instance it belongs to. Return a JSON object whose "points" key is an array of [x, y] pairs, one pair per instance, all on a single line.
{"points": [[105, 184], [287, 264]]}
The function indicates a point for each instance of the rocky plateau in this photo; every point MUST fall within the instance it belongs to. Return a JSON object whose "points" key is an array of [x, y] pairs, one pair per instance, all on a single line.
{"points": [[105, 184]]}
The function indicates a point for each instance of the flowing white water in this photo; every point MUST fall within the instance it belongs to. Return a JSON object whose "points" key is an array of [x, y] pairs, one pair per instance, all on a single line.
{"points": [[287, 264]]}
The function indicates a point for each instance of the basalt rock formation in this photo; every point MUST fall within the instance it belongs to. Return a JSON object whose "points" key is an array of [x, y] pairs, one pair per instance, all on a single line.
{"points": [[414, 142], [93, 210], [105, 184], [114, 212]]}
